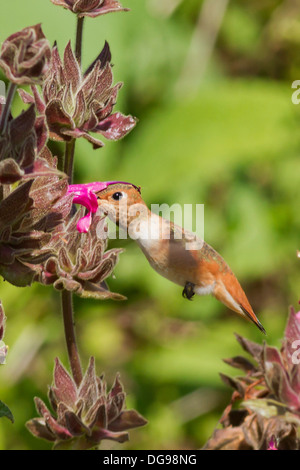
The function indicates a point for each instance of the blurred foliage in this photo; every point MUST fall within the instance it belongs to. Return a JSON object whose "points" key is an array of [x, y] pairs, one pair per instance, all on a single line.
{"points": [[229, 139]]}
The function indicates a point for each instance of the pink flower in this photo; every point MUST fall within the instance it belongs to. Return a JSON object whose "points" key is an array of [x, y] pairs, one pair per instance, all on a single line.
{"points": [[84, 194], [272, 445]]}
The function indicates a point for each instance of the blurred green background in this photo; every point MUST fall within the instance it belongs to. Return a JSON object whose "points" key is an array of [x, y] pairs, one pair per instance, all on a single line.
{"points": [[210, 83]]}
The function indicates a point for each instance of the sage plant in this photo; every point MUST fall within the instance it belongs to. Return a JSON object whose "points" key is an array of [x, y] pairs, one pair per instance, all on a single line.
{"points": [[43, 238], [264, 412]]}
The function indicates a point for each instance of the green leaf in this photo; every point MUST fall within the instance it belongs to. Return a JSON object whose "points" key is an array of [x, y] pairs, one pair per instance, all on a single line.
{"points": [[5, 411]]}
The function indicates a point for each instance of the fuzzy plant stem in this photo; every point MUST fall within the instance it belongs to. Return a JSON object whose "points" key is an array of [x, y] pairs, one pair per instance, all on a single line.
{"points": [[5, 115], [69, 159], [78, 46], [67, 308], [66, 296]]}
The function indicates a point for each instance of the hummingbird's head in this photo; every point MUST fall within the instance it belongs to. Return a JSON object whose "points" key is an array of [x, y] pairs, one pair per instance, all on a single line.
{"points": [[117, 201]]}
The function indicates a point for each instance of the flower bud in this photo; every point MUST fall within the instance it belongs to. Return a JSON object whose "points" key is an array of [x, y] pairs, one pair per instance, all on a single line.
{"points": [[25, 56]]}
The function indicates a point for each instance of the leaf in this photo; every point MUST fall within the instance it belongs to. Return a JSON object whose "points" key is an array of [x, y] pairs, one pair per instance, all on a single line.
{"points": [[103, 57], [116, 126], [227, 439], [242, 363], [126, 420], [250, 347], [5, 412], [267, 408], [234, 383], [64, 386]]}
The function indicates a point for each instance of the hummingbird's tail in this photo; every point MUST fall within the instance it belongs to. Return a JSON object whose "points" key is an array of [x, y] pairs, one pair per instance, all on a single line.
{"points": [[229, 291]]}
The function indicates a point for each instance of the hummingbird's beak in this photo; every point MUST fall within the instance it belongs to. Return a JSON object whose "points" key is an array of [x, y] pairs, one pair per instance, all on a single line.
{"points": [[254, 319]]}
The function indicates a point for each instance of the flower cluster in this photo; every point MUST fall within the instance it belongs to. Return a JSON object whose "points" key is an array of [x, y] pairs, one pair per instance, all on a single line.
{"points": [[75, 105], [79, 262], [39, 242], [38, 236], [28, 216], [25, 56], [90, 8], [84, 415], [270, 391]]}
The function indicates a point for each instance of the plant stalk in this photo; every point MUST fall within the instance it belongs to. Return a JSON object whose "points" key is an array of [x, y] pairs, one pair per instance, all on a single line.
{"points": [[78, 46], [69, 159], [5, 115], [67, 308], [66, 296]]}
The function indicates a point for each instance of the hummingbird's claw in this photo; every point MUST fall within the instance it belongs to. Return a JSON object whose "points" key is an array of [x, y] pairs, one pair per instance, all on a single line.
{"points": [[188, 291]]}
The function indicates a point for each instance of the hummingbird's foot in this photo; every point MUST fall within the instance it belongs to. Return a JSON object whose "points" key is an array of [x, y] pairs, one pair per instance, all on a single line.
{"points": [[188, 291]]}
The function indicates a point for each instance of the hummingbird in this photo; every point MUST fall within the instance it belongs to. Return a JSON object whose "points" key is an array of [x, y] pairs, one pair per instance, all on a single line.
{"points": [[199, 269]]}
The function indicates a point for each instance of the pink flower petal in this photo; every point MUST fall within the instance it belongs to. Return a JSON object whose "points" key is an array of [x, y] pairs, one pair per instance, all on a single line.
{"points": [[84, 223], [84, 194], [272, 445]]}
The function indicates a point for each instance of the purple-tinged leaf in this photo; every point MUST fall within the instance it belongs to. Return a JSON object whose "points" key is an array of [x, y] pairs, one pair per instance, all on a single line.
{"points": [[103, 57], [64, 386], [40, 105], [234, 383], [50, 422], [88, 386], [74, 425], [22, 125], [254, 349], [38, 428], [99, 434], [11, 207], [71, 68], [278, 382], [240, 362], [57, 119], [107, 6], [25, 56], [116, 126], [128, 419], [292, 334], [26, 97], [10, 172]]}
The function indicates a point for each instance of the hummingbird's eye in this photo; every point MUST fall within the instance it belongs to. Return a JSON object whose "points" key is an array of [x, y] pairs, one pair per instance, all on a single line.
{"points": [[117, 196]]}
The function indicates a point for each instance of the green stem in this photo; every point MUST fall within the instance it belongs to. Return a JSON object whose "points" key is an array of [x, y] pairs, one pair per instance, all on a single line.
{"points": [[78, 46], [67, 309], [5, 115]]}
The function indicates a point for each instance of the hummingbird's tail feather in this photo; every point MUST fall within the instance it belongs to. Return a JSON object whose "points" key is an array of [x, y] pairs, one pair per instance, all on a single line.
{"points": [[231, 294]]}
